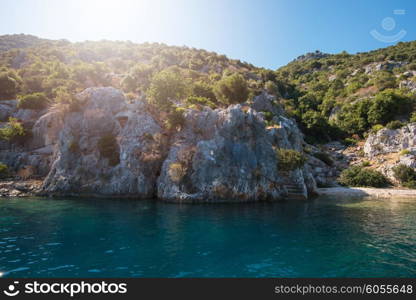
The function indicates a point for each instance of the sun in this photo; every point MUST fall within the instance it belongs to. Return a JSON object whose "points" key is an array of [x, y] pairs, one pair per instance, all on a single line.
{"points": [[109, 18]]}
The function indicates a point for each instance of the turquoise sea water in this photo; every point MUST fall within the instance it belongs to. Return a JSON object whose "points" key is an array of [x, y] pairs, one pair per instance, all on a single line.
{"points": [[124, 238]]}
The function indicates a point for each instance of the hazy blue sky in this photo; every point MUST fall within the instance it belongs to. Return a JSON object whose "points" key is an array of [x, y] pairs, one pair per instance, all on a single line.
{"points": [[265, 33]]}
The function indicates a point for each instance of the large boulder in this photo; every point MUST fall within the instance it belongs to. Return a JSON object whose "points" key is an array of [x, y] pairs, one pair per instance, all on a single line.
{"points": [[80, 166], [229, 155], [387, 141]]}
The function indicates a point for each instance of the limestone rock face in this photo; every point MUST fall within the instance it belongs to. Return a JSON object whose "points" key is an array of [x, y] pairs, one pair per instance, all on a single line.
{"points": [[7, 109], [379, 66], [264, 102], [80, 167], [28, 116], [46, 130], [229, 155], [105, 146], [389, 141]]}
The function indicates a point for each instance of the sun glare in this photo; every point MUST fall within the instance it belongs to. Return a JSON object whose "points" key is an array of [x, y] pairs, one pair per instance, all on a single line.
{"points": [[111, 18]]}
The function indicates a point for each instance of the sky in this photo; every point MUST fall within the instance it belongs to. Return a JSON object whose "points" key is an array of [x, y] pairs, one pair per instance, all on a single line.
{"points": [[266, 33]]}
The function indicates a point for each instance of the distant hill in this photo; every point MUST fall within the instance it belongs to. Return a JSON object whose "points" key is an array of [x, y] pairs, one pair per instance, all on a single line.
{"points": [[12, 41]]}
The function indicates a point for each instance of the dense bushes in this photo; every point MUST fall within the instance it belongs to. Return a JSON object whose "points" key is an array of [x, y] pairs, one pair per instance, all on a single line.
{"points": [[231, 89], [339, 95], [36, 101], [394, 125], [13, 131], [405, 175], [166, 75], [108, 148], [289, 159], [4, 171], [194, 100], [388, 104], [166, 87], [359, 176], [8, 87], [203, 90], [175, 119], [360, 116]]}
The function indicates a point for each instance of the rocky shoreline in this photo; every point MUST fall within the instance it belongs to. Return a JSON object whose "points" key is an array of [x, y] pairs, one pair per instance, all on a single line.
{"points": [[367, 192], [111, 147], [33, 188], [27, 188]]}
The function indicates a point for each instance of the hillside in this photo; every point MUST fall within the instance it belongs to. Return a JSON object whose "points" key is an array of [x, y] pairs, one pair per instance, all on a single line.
{"points": [[338, 96], [50, 67], [17, 41], [165, 114]]}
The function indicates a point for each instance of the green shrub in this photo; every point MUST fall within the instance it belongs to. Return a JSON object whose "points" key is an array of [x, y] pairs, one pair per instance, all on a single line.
{"points": [[108, 147], [353, 118], [289, 159], [384, 80], [12, 131], [388, 104], [200, 101], [404, 174], [410, 184], [231, 89], [165, 87], [350, 142], [8, 87], [175, 119], [325, 157], [4, 171], [376, 128], [359, 176], [394, 125], [405, 152], [35, 101], [413, 117], [202, 89], [365, 163], [271, 87]]}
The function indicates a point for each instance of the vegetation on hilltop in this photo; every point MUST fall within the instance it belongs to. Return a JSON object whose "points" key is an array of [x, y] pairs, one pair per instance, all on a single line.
{"points": [[332, 97], [337, 96]]}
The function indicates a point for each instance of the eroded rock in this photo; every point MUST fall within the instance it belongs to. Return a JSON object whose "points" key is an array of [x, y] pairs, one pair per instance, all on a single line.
{"points": [[81, 168]]}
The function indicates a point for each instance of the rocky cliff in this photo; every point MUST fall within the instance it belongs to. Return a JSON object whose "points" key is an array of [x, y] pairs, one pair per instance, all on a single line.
{"points": [[110, 147], [388, 148]]}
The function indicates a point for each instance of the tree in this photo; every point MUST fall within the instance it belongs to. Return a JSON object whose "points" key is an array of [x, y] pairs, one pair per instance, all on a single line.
{"points": [[385, 80], [289, 159], [202, 89], [165, 87], [13, 131], [386, 105], [8, 87], [35, 101], [231, 89]]}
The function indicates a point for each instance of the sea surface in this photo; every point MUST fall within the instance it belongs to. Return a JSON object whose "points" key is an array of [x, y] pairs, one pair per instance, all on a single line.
{"points": [[324, 237]]}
